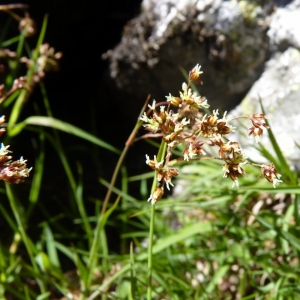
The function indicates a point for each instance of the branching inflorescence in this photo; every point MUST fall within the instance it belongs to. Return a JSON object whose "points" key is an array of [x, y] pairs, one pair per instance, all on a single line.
{"points": [[41, 60], [193, 128], [11, 171]]}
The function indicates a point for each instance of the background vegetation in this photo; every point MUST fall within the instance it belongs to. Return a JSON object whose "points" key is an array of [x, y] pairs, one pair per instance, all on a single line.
{"points": [[209, 241]]}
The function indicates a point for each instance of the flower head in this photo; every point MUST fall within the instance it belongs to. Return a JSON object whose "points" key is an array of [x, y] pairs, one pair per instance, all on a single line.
{"points": [[194, 74], [271, 174], [258, 125], [156, 195], [191, 128], [154, 164], [12, 171], [175, 101], [193, 150]]}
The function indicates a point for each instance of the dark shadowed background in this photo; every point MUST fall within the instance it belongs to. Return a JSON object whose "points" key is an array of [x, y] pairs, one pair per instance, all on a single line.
{"points": [[81, 94], [83, 30]]}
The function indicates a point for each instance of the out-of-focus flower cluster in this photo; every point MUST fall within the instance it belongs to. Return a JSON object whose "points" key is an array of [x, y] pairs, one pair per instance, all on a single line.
{"points": [[46, 61], [11, 171], [42, 60], [193, 128], [26, 23]]}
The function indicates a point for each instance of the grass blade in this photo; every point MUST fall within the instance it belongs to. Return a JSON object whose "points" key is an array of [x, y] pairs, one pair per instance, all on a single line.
{"points": [[62, 126]]}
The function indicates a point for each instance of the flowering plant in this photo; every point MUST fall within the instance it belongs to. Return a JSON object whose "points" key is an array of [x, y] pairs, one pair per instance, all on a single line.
{"points": [[193, 128], [40, 60], [11, 171]]}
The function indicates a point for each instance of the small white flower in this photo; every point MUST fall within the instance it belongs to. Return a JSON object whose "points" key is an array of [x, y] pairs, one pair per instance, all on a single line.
{"points": [[3, 148], [152, 107], [204, 104], [178, 127], [276, 180], [156, 195], [25, 172], [186, 156], [225, 169], [150, 199], [169, 98], [171, 116], [152, 128], [158, 164], [168, 182], [173, 144], [187, 93], [216, 112], [157, 118], [190, 153], [196, 70], [147, 159], [224, 115], [144, 118], [185, 122]]}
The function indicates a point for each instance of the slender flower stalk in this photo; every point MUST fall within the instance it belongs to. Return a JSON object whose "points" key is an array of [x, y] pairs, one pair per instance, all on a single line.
{"points": [[155, 196], [183, 122]]}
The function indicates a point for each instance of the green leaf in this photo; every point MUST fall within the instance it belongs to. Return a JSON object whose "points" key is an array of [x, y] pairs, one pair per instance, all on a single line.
{"points": [[281, 159], [43, 261], [215, 280], [44, 296], [38, 173], [63, 126], [180, 235], [51, 249]]}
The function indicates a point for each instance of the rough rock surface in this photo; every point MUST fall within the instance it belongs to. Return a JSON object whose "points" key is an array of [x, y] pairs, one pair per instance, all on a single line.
{"points": [[284, 29], [279, 90], [227, 38], [279, 86]]}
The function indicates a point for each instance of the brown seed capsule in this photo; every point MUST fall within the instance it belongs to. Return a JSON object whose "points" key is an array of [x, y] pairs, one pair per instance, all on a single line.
{"points": [[156, 196], [174, 171]]}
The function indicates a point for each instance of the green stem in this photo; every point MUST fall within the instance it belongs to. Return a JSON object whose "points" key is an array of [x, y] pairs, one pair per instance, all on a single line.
{"points": [[25, 239], [99, 227], [150, 256], [17, 108], [160, 156], [122, 157], [97, 230], [77, 193]]}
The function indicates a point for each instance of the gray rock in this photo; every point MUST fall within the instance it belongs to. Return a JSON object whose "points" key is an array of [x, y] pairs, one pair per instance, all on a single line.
{"points": [[278, 87], [225, 37], [284, 29], [239, 45], [279, 90]]}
